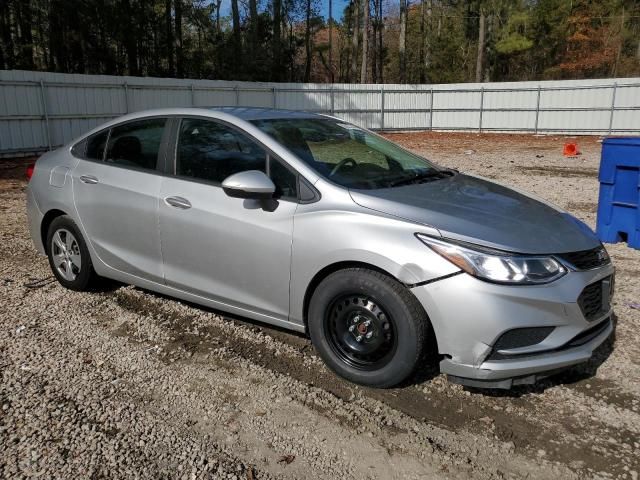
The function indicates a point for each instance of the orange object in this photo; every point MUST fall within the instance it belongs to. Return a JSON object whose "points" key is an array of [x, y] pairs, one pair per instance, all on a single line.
{"points": [[570, 150]]}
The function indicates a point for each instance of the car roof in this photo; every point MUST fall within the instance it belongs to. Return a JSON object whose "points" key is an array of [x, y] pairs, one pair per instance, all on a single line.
{"points": [[257, 113]]}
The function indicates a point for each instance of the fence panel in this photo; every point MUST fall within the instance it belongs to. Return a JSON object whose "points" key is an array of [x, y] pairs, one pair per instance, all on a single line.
{"points": [[40, 110]]}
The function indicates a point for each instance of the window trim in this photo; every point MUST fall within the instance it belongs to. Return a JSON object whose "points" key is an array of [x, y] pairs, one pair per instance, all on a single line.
{"points": [[269, 154]]}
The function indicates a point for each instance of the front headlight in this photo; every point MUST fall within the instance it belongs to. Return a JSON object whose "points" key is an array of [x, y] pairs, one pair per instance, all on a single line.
{"points": [[496, 266]]}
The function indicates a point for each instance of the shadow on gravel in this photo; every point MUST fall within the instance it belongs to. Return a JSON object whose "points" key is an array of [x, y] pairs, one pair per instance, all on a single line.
{"points": [[573, 375]]}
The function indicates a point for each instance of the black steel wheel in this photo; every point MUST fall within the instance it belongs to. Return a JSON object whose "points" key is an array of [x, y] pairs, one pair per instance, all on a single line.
{"points": [[360, 332], [367, 327]]}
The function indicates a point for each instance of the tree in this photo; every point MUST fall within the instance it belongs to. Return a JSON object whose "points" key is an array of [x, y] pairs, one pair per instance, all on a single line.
{"points": [[365, 41], [354, 40], [169, 36], [277, 41], [287, 40], [237, 40], [178, 30], [307, 43], [402, 43], [481, 45]]}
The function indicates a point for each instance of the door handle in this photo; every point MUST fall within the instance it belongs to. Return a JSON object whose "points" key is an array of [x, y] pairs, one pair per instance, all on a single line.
{"points": [[88, 179], [178, 202]]}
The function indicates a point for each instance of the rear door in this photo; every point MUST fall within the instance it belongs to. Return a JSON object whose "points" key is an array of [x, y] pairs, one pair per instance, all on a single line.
{"points": [[231, 250], [116, 186]]}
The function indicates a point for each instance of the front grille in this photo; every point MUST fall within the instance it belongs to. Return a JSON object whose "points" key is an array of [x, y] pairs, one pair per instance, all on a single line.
{"points": [[517, 338], [586, 259], [594, 299]]}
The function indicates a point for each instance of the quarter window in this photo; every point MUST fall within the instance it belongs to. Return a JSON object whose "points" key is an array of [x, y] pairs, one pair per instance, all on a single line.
{"points": [[136, 144], [95, 145]]}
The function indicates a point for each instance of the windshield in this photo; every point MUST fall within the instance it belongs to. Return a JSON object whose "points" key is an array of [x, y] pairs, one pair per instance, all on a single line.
{"points": [[348, 155]]}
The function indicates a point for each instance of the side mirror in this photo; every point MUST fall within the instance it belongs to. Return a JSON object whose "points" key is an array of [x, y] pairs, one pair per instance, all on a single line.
{"points": [[249, 184]]}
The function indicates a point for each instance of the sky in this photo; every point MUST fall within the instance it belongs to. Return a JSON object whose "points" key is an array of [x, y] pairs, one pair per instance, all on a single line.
{"points": [[338, 7]]}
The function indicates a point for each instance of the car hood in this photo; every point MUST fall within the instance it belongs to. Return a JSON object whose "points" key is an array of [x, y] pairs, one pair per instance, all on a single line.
{"points": [[475, 210]]}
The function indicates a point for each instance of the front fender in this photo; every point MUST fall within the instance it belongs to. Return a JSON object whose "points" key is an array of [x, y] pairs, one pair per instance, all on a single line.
{"points": [[322, 239]]}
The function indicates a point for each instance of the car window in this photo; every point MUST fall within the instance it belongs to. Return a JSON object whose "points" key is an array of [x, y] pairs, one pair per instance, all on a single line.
{"points": [[349, 155], [136, 144], [92, 148], [212, 151]]}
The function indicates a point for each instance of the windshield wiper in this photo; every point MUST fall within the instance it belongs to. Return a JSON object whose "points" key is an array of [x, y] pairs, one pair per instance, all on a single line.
{"points": [[420, 177]]}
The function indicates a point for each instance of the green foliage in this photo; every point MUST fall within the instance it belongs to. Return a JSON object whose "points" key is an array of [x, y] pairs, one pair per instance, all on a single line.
{"points": [[524, 39]]}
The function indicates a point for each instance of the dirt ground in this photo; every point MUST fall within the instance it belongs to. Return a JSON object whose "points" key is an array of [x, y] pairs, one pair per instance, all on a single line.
{"points": [[127, 383]]}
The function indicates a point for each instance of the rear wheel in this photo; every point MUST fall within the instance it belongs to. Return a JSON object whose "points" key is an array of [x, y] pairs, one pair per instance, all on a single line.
{"points": [[68, 255], [367, 327]]}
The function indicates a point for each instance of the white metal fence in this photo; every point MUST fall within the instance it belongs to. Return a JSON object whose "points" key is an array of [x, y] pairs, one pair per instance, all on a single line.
{"points": [[43, 110]]}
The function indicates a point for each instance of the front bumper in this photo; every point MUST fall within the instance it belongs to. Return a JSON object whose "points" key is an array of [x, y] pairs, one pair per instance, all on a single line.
{"points": [[469, 315]]}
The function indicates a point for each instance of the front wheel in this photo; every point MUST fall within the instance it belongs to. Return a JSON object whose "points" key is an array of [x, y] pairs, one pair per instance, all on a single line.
{"points": [[367, 327]]}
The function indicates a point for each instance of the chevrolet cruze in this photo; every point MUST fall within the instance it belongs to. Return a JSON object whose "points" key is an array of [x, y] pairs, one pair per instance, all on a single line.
{"points": [[310, 223]]}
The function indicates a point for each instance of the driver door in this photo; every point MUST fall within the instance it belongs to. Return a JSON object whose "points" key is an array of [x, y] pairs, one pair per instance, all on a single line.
{"points": [[233, 251]]}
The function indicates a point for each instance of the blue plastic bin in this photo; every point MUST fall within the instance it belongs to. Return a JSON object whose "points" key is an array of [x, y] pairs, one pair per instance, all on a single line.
{"points": [[618, 212]]}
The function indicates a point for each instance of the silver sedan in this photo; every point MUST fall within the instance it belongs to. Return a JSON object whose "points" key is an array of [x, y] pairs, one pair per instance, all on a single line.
{"points": [[310, 223]]}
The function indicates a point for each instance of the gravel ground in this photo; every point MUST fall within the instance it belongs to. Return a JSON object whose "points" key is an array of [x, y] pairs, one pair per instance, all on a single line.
{"points": [[126, 383]]}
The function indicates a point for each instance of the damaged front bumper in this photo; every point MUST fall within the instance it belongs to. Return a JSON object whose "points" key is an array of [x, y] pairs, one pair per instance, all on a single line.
{"points": [[469, 316]]}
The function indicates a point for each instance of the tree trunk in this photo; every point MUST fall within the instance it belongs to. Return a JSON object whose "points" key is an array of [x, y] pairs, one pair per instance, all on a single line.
{"points": [[365, 42], [277, 41], [307, 43], [169, 27], [237, 40], [402, 43], [26, 36], [331, 41], [218, 4], [129, 36], [178, 30], [253, 25], [422, 41], [380, 44], [6, 48], [354, 40], [481, 46]]}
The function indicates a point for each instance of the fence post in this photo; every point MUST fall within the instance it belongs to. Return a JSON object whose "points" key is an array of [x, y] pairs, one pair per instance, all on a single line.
{"points": [[237, 89], [431, 111], [43, 97], [381, 108], [613, 106], [537, 112], [333, 100], [126, 97], [193, 96], [481, 108], [274, 102]]}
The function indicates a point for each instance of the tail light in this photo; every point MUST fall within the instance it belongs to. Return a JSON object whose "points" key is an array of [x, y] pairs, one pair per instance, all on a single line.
{"points": [[30, 169]]}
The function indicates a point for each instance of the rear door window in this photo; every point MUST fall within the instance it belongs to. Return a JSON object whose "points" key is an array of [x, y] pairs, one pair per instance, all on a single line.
{"points": [[136, 144]]}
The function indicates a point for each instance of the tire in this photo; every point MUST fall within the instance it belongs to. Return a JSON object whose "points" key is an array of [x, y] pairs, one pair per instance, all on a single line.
{"points": [[390, 346], [68, 255]]}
